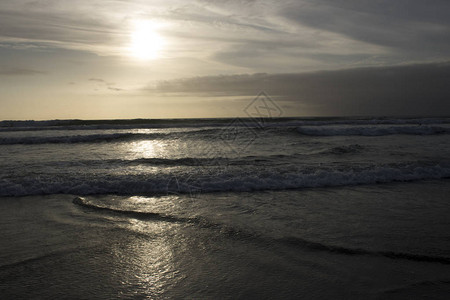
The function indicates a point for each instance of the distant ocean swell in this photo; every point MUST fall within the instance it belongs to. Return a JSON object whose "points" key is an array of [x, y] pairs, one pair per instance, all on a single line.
{"points": [[373, 130], [108, 137], [235, 180], [187, 123], [305, 130], [72, 139], [239, 234]]}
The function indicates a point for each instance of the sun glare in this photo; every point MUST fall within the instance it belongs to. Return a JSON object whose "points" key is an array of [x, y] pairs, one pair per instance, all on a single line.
{"points": [[146, 43]]}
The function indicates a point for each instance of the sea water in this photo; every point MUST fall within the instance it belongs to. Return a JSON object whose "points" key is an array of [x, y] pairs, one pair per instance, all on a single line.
{"points": [[225, 208]]}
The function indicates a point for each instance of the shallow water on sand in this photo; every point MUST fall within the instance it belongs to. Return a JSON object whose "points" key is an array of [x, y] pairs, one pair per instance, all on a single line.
{"points": [[375, 241]]}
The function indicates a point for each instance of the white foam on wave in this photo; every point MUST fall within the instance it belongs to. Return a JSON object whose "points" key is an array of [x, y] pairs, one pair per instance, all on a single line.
{"points": [[277, 179]]}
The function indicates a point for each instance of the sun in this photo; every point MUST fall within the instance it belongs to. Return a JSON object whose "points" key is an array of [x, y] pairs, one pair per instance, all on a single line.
{"points": [[146, 43]]}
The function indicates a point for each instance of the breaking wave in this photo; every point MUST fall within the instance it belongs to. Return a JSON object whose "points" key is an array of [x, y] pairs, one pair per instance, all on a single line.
{"points": [[230, 179]]}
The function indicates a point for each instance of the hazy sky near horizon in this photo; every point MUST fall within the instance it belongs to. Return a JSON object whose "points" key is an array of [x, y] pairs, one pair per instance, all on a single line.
{"points": [[180, 59]]}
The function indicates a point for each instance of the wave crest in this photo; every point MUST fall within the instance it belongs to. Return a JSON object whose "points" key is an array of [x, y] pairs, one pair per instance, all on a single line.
{"points": [[230, 179]]}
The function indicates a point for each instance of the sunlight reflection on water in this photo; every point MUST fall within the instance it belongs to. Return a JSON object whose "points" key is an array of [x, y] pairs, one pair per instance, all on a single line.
{"points": [[146, 265]]}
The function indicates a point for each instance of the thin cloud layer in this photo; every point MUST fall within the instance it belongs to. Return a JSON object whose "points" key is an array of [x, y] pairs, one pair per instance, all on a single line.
{"points": [[14, 71], [259, 35], [407, 26], [400, 90]]}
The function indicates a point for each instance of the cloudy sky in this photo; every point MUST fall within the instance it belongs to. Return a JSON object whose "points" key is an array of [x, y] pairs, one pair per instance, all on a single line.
{"points": [[178, 59]]}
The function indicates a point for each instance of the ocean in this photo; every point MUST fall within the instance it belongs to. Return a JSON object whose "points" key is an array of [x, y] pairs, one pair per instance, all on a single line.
{"points": [[291, 208]]}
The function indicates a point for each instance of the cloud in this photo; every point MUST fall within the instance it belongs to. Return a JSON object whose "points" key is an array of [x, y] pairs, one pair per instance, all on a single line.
{"points": [[14, 71], [238, 35], [410, 26], [114, 89], [105, 84], [96, 79], [61, 24], [397, 90]]}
